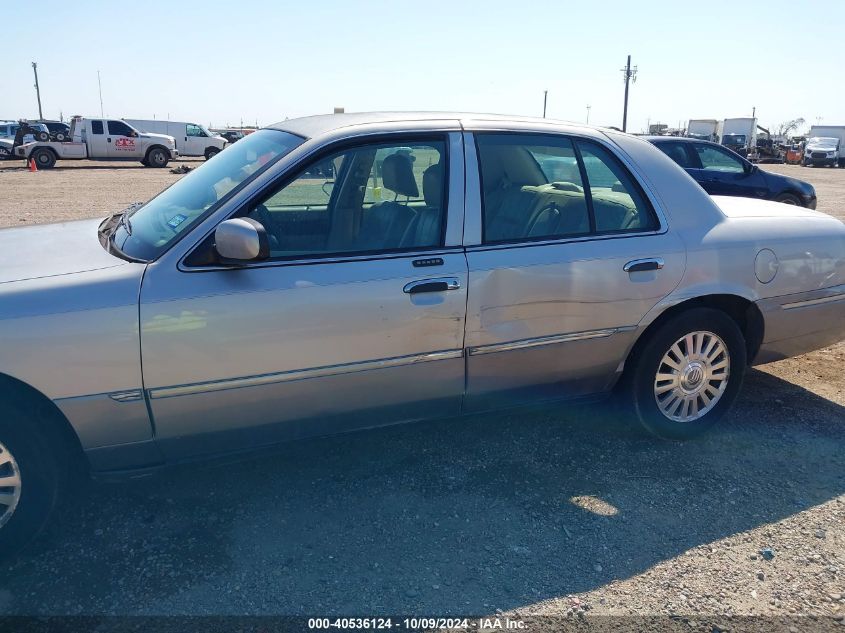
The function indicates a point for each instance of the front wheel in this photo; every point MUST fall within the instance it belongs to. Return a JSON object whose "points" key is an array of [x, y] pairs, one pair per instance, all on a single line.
{"points": [[30, 481], [788, 198], [211, 152], [687, 374], [157, 157]]}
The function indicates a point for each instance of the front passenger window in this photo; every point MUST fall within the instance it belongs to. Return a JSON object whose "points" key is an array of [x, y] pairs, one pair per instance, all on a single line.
{"points": [[369, 199]]}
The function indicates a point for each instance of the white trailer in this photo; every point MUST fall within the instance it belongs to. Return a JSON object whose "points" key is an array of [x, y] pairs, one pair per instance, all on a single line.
{"points": [[192, 139], [102, 139], [703, 129], [831, 131], [740, 135]]}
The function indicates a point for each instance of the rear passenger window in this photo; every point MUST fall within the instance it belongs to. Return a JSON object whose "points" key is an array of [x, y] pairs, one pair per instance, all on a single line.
{"points": [[370, 198], [677, 152], [531, 188], [536, 187], [96, 127], [617, 201]]}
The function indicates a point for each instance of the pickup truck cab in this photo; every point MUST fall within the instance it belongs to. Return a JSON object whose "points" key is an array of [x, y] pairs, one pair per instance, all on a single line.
{"points": [[102, 139]]}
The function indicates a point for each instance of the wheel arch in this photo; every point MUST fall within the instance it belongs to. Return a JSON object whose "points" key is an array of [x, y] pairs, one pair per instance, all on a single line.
{"points": [[742, 310], [43, 149], [50, 419], [156, 146]]}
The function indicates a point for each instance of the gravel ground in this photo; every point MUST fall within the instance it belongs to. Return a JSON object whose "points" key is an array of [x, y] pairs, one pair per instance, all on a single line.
{"points": [[539, 511]]}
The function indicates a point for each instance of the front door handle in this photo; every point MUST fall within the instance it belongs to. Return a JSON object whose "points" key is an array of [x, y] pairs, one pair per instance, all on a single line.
{"points": [[441, 284], [641, 265]]}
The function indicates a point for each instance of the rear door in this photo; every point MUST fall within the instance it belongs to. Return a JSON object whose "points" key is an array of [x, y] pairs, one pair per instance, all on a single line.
{"points": [[122, 140], [98, 145], [356, 320], [567, 253]]}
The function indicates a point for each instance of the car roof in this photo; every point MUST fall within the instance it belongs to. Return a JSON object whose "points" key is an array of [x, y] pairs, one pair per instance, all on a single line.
{"points": [[681, 139], [317, 125]]}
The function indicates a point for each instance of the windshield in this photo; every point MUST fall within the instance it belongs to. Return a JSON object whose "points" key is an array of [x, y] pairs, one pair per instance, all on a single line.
{"points": [[150, 230], [734, 139], [823, 140]]}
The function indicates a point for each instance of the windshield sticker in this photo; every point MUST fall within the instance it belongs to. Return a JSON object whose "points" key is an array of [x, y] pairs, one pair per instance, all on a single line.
{"points": [[176, 220]]}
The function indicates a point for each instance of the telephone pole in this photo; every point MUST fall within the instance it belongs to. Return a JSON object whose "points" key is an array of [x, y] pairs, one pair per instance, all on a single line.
{"points": [[37, 89], [630, 74], [545, 98]]}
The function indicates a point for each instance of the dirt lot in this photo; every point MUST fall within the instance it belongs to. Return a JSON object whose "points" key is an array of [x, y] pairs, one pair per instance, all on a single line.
{"points": [[546, 511]]}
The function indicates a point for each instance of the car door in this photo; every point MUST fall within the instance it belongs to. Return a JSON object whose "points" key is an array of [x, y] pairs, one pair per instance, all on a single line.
{"points": [[122, 141], [723, 173], [195, 140], [98, 146], [567, 252], [355, 320]]}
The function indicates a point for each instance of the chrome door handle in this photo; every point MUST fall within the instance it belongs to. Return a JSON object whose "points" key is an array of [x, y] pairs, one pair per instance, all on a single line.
{"points": [[640, 265], [441, 284]]}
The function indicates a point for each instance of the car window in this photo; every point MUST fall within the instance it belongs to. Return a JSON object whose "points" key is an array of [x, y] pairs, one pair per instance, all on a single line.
{"points": [[194, 130], [370, 198], [119, 128], [618, 202], [678, 153], [716, 159], [96, 127], [531, 188]]}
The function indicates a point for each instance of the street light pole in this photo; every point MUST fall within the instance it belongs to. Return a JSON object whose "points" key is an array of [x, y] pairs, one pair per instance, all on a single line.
{"points": [[100, 88], [630, 73], [545, 98], [37, 89], [588, 114]]}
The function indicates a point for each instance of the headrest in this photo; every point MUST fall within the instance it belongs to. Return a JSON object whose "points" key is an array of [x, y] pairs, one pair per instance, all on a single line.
{"points": [[397, 174], [433, 185]]}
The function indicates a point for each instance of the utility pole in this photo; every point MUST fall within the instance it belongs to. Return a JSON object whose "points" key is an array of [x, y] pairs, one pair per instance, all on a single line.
{"points": [[37, 89], [588, 113], [100, 85], [545, 98], [630, 73]]}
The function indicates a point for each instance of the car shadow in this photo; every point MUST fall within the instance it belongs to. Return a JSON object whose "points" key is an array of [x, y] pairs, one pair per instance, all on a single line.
{"points": [[448, 517]]}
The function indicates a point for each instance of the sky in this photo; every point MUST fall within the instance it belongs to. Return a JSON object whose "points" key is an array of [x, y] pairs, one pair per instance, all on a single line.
{"points": [[219, 63]]}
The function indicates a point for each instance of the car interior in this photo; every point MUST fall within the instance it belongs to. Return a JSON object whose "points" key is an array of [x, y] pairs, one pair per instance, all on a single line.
{"points": [[381, 199], [531, 192]]}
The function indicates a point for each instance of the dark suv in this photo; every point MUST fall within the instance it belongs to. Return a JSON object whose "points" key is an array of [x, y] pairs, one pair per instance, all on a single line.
{"points": [[722, 172]]}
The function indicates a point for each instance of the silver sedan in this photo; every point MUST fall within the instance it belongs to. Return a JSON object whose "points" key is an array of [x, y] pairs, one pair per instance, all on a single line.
{"points": [[339, 272]]}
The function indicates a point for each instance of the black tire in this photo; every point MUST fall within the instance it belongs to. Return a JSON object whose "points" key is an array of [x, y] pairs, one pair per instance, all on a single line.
{"points": [[211, 152], [157, 157], [61, 137], [44, 158], [41, 471], [788, 198], [43, 137], [640, 381]]}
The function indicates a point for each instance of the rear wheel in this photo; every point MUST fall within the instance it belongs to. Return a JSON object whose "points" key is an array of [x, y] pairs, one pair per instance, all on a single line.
{"points": [[157, 157], [61, 137], [42, 136], [687, 374], [44, 158], [30, 480]]}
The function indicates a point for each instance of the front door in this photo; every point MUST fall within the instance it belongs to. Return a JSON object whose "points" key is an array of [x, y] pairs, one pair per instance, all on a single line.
{"points": [[122, 141], [357, 318], [195, 140], [722, 173], [572, 257]]}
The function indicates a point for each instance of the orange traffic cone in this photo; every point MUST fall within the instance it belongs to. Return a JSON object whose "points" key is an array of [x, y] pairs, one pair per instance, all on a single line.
{"points": [[32, 166]]}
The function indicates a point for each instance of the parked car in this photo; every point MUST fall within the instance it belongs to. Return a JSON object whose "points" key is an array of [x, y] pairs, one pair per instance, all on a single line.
{"points": [[231, 136], [831, 131], [6, 148], [192, 139], [59, 130], [822, 151], [722, 172], [25, 131], [489, 262]]}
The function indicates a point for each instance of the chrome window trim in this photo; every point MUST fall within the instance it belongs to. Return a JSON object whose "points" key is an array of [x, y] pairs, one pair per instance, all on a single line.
{"points": [[547, 340], [473, 212], [309, 150], [301, 374]]}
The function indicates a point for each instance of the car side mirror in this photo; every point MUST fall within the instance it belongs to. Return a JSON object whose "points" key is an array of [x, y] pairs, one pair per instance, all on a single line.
{"points": [[241, 240]]}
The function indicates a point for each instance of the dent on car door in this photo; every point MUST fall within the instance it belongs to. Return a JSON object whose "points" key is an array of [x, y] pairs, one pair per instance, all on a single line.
{"points": [[570, 256], [356, 320]]}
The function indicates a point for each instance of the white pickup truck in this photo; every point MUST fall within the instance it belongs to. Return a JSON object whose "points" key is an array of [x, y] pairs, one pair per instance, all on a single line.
{"points": [[102, 139]]}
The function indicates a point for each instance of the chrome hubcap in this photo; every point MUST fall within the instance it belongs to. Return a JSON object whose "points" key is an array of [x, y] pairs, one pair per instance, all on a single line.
{"points": [[692, 376], [10, 485]]}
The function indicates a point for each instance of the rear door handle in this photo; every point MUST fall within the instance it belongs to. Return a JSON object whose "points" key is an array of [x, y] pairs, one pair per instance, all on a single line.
{"points": [[640, 265], [441, 284]]}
